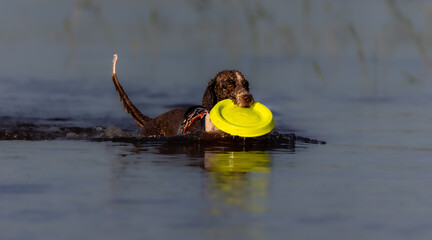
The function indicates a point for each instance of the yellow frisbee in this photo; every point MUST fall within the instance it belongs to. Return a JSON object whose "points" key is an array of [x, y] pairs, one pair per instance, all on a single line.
{"points": [[253, 121]]}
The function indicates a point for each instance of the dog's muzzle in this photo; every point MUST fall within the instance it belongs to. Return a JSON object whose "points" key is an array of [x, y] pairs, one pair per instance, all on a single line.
{"points": [[244, 100]]}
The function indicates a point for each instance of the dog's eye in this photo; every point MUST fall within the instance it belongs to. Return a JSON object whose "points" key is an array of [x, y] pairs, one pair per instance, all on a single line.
{"points": [[229, 85]]}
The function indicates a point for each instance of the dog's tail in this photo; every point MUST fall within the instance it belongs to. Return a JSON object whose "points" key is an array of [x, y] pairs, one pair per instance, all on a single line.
{"points": [[129, 107]]}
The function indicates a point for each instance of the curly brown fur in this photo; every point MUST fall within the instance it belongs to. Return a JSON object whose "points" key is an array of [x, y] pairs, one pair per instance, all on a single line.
{"points": [[228, 84]]}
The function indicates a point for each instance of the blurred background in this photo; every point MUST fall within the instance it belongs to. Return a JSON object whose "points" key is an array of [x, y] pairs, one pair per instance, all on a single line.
{"points": [[301, 57]]}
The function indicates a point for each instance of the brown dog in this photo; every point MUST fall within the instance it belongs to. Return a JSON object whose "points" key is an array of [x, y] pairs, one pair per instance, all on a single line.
{"points": [[228, 84]]}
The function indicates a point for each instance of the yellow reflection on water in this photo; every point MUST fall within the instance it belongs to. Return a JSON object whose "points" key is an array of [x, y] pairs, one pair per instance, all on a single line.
{"points": [[238, 181]]}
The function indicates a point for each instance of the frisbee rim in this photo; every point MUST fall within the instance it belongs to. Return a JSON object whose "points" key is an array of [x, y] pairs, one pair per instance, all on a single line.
{"points": [[243, 130]]}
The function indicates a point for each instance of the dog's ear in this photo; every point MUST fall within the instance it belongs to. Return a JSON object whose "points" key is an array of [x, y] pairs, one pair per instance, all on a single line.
{"points": [[209, 99]]}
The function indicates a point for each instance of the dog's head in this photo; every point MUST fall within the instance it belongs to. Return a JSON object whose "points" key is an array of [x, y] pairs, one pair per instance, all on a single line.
{"points": [[228, 84]]}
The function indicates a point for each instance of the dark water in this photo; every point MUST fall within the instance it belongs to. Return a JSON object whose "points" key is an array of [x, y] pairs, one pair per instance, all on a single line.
{"points": [[353, 73]]}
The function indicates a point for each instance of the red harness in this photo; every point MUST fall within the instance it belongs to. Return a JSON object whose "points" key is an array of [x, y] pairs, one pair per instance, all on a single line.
{"points": [[192, 114]]}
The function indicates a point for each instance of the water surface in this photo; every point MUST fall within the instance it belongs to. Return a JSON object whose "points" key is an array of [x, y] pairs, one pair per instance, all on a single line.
{"points": [[354, 74]]}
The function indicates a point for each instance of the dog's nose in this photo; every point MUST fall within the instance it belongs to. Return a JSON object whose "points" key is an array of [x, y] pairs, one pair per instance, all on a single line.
{"points": [[247, 99]]}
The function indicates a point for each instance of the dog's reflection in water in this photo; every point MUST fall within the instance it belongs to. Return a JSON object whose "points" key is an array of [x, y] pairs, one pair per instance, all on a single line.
{"points": [[234, 178]]}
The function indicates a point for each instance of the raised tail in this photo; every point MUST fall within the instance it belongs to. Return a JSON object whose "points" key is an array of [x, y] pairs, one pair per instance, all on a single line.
{"points": [[129, 107]]}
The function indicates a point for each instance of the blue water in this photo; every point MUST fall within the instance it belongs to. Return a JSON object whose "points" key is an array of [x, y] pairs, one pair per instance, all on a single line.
{"points": [[354, 74]]}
